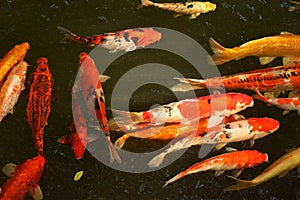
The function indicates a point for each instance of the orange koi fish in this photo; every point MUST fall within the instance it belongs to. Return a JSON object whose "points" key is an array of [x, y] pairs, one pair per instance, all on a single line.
{"points": [[215, 106], [237, 131], [280, 78], [279, 168], [12, 88], [238, 160], [193, 8], [13, 57], [287, 104], [127, 40], [39, 102], [295, 7], [286, 45], [92, 91], [23, 178]]}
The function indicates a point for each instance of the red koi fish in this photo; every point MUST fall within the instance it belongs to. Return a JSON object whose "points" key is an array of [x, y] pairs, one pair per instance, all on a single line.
{"points": [[127, 40], [91, 87], [238, 160], [39, 102], [23, 178], [12, 88], [241, 130], [281, 78], [214, 106], [287, 104]]}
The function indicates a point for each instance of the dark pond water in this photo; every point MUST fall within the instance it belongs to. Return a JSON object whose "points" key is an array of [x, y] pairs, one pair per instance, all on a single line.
{"points": [[232, 23]]}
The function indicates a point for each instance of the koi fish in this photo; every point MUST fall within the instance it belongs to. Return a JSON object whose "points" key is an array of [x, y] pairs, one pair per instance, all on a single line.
{"points": [[39, 102], [12, 88], [92, 91], [280, 78], [13, 57], [286, 45], [170, 131], [127, 40], [193, 8], [287, 104], [279, 168], [23, 178], [215, 106], [238, 160], [295, 7], [237, 131]]}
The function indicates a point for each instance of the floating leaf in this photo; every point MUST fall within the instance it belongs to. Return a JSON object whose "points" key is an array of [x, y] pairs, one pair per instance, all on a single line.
{"points": [[78, 175]]}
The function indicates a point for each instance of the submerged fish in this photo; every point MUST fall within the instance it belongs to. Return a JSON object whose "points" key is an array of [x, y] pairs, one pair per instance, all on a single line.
{"points": [[12, 88], [39, 102], [238, 160], [279, 168], [193, 8], [127, 40], [13, 57], [295, 7], [286, 45], [23, 178], [280, 78]]}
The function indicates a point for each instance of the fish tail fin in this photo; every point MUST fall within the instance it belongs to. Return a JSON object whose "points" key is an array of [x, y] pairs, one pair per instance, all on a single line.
{"points": [[157, 160], [146, 3], [119, 143], [175, 178], [114, 156], [219, 51], [241, 184], [69, 36], [135, 117], [64, 140]]}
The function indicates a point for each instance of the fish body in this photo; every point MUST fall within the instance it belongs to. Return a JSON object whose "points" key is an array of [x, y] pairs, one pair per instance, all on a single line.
{"points": [[193, 8], [279, 168], [236, 131], [12, 88], [93, 94], [185, 110], [25, 178], [13, 57], [295, 7], [267, 48], [238, 160], [280, 78], [125, 40], [39, 102]]}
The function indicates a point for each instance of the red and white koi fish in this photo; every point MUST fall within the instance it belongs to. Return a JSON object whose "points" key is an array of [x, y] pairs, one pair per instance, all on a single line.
{"points": [[93, 94], [127, 40], [215, 106], [286, 45], [39, 102], [295, 7], [287, 104], [241, 130], [238, 160], [23, 178], [280, 78], [279, 168], [12, 88], [193, 8]]}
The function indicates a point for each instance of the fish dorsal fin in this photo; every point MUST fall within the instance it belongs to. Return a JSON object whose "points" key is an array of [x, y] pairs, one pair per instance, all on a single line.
{"points": [[291, 60], [9, 169], [219, 173], [215, 46], [103, 78], [286, 33], [36, 193], [283, 174], [266, 60]]}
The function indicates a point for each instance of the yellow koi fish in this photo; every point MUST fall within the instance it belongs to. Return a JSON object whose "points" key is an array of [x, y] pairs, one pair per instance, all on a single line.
{"points": [[285, 45], [295, 7], [193, 8], [279, 168]]}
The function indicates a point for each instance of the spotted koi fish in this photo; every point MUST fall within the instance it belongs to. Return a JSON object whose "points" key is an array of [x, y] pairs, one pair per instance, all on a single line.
{"points": [[93, 94], [23, 178], [237, 131], [287, 104], [286, 45], [279, 168], [39, 102], [193, 8], [295, 7], [12, 88], [127, 40], [280, 78], [238, 160], [13, 57], [215, 106]]}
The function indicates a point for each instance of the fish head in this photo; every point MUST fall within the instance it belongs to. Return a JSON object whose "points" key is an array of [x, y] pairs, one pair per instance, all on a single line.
{"points": [[235, 102], [208, 6], [146, 36], [36, 166], [263, 126], [259, 158], [42, 64]]}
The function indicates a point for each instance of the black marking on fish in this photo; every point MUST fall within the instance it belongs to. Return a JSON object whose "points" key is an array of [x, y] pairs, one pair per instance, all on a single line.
{"points": [[209, 101], [227, 126], [126, 36], [240, 126], [227, 134], [169, 110], [138, 29], [190, 6], [135, 40]]}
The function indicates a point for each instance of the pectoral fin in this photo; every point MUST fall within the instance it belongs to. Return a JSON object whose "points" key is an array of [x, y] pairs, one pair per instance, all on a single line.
{"points": [[266, 60], [237, 172], [283, 174], [218, 173], [290, 60], [193, 16], [220, 145], [214, 121], [9, 169], [36, 193]]}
